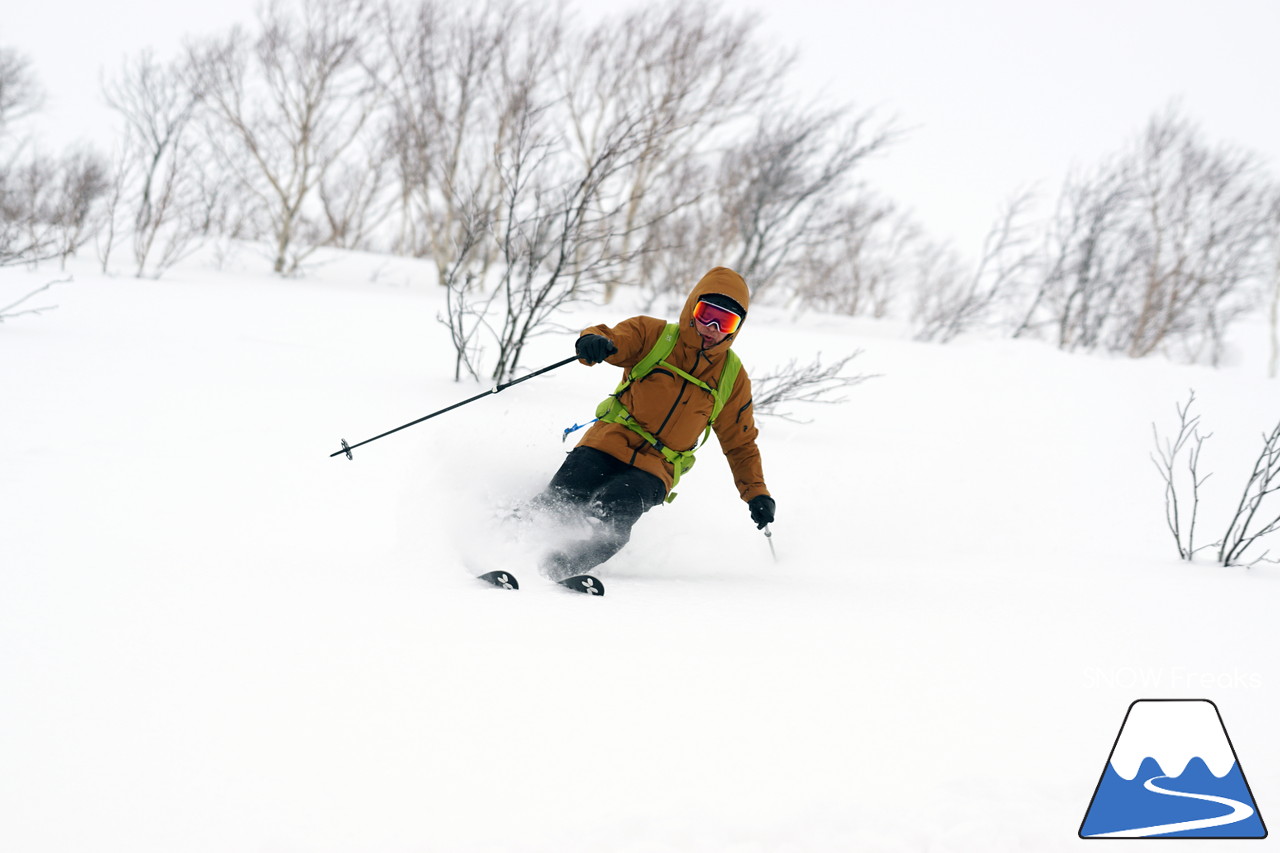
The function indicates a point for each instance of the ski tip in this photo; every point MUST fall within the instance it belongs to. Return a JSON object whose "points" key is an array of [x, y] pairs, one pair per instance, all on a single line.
{"points": [[588, 584], [503, 580]]}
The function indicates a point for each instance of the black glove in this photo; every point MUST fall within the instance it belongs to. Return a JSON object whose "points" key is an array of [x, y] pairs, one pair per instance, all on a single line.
{"points": [[762, 507], [594, 349]]}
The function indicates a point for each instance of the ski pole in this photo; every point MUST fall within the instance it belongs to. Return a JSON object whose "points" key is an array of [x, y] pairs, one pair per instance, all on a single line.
{"points": [[347, 448], [768, 535]]}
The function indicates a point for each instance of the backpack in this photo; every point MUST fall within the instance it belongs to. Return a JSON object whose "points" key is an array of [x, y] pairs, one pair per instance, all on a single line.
{"points": [[612, 411]]}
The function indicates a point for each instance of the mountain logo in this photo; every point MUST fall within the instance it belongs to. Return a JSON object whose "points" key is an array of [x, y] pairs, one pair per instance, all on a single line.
{"points": [[1172, 773]]}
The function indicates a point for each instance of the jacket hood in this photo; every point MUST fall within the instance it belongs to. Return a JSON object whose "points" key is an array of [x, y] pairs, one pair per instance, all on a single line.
{"points": [[720, 280]]}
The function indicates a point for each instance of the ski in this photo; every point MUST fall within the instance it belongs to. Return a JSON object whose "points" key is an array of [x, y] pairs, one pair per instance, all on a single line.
{"points": [[588, 584], [503, 580]]}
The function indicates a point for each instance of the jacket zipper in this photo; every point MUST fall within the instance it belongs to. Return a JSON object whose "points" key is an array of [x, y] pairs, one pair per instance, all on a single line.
{"points": [[683, 385]]}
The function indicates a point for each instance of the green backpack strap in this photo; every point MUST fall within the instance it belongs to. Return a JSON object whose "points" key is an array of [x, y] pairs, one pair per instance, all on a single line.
{"points": [[659, 351], [728, 376], [666, 343]]}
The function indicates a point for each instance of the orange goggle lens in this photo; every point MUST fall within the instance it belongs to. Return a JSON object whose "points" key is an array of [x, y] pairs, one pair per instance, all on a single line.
{"points": [[713, 315]]}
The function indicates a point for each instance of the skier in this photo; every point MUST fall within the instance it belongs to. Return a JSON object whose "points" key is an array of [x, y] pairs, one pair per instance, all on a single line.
{"points": [[629, 460]]}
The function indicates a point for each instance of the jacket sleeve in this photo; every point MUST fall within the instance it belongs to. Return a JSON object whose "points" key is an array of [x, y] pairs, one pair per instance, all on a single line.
{"points": [[633, 338], [736, 430]]}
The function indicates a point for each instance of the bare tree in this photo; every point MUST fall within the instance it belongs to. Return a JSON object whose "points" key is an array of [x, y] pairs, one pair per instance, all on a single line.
{"points": [[1247, 526], [487, 189], [20, 93], [690, 73], [811, 383], [676, 247], [530, 155], [951, 303], [49, 207], [562, 241], [551, 229], [466, 302], [1249, 523], [539, 163], [457, 80], [1084, 261], [24, 237], [158, 185], [772, 203], [859, 269], [1158, 250], [781, 188], [1167, 458], [291, 102], [228, 209], [1204, 221], [353, 196], [119, 177], [81, 181], [8, 312]]}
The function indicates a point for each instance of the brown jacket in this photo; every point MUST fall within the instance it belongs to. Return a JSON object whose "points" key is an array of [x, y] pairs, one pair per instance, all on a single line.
{"points": [[674, 410]]}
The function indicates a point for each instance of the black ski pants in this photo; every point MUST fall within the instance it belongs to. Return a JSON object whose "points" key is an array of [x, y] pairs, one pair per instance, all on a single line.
{"points": [[604, 488]]}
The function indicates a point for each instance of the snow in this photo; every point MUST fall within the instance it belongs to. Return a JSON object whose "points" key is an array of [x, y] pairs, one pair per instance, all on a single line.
{"points": [[215, 637]]}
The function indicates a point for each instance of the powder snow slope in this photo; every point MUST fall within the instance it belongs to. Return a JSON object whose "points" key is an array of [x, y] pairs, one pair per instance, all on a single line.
{"points": [[215, 637]]}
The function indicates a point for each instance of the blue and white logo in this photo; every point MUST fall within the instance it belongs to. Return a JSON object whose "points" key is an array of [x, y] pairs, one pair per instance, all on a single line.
{"points": [[1173, 773]]}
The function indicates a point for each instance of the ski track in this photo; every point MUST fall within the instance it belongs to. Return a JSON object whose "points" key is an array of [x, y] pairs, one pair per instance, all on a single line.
{"points": [[1240, 811]]}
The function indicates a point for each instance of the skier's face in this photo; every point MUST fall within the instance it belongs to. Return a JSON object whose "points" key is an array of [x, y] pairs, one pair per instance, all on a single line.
{"points": [[714, 322], [710, 334]]}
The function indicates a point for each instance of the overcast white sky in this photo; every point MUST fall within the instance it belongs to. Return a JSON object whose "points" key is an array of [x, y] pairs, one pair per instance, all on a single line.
{"points": [[998, 95]]}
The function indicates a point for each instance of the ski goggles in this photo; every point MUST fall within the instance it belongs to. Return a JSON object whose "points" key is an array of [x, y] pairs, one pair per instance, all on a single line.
{"points": [[713, 315]]}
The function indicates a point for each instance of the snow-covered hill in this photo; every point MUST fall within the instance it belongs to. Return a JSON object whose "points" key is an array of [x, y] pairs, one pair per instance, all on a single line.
{"points": [[215, 637]]}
